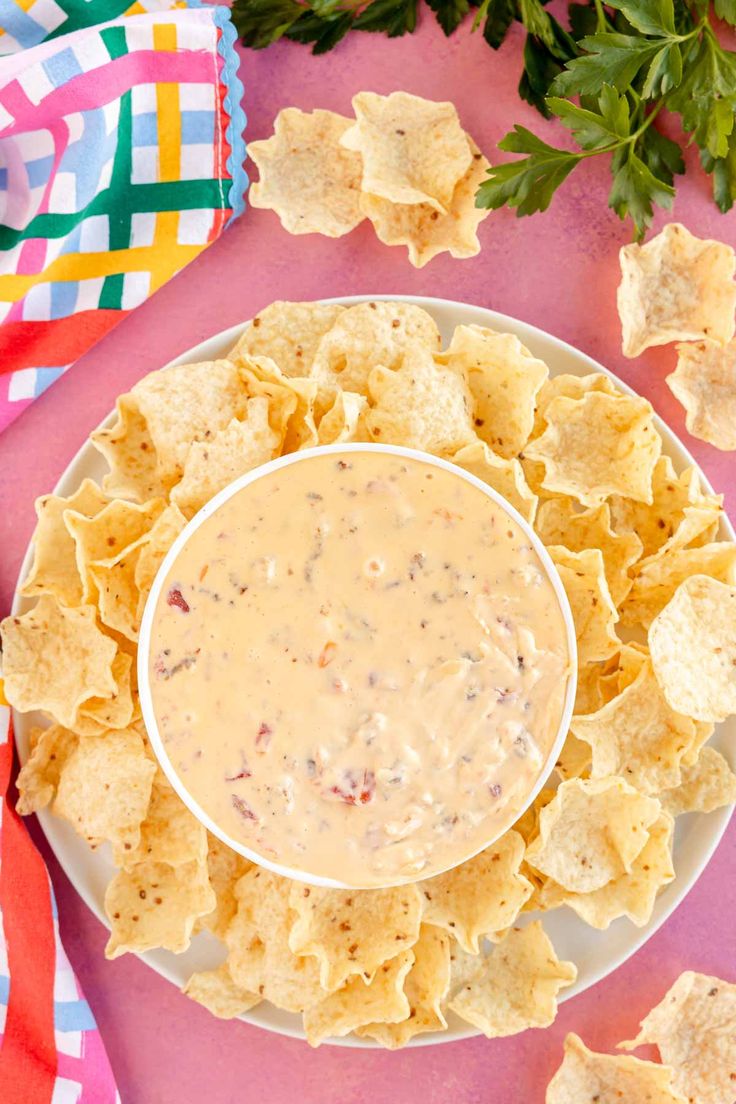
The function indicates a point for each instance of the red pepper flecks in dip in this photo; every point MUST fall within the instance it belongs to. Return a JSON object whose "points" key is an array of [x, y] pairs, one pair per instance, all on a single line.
{"points": [[358, 666]]}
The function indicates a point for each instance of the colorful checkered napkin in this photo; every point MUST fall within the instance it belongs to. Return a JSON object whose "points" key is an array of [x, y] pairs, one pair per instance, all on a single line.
{"points": [[121, 159]]}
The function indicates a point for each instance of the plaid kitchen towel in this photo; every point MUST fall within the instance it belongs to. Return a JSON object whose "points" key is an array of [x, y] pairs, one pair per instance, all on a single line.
{"points": [[50, 1049], [121, 159]]}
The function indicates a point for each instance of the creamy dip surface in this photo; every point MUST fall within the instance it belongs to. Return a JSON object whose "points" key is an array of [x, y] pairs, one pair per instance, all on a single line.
{"points": [[358, 667]]}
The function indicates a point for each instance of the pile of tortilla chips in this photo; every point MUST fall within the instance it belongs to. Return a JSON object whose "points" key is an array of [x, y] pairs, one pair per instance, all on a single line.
{"points": [[402, 162], [680, 288], [636, 546], [694, 1029]]}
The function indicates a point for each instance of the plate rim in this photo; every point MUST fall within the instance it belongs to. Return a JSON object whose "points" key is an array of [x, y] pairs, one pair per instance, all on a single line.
{"points": [[506, 323]]}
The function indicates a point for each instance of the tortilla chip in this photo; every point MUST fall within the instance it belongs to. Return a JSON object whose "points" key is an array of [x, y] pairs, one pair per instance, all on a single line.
{"points": [[128, 448], [225, 868], [638, 736], [344, 421], [161, 536], [288, 333], [307, 176], [583, 577], [211, 465], [105, 787], [353, 931], [706, 785], [216, 991], [381, 1001], [413, 150], [574, 759], [169, 833], [597, 446], [705, 383], [368, 334], [118, 599], [676, 287], [504, 476], [694, 1028], [571, 387], [425, 988], [697, 680], [291, 401], [56, 659], [423, 229], [586, 1075], [188, 403], [655, 582], [38, 778], [54, 569], [482, 896], [558, 522], [517, 985], [97, 715], [155, 905], [257, 938], [111, 535], [422, 405], [672, 494], [591, 832], [630, 894], [504, 379]]}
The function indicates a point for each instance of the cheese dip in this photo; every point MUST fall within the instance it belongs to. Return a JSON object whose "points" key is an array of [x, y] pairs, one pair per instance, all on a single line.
{"points": [[358, 667]]}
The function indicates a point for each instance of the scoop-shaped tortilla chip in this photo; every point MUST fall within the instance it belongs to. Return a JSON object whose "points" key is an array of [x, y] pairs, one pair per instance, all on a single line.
{"points": [[56, 659], [517, 985], [130, 453], [211, 465], [39, 776], [161, 536], [216, 991], [423, 229], [505, 476], [422, 405], [344, 421], [118, 598], [631, 894], [584, 579], [188, 403], [105, 787], [656, 581], [353, 931], [260, 959], [571, 387], [558, 522], [156, 905], [97, 715], [707, 784], [425, 988], [307, 177], [413, 150], [504, 379], [169, 833], [697, 679], [598, 445], [705, 383], [586, 1075], [54, 569], [225, 868], [676, 287], [288, 333], [368, 334], [591, 832], [694, 1028], [111, 535], [382, 1000], [638, 736], [482, 896], [291, 401]]}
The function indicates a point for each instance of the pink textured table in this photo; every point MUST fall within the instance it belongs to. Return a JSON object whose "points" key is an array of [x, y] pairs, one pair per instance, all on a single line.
{"points": [[558, 271]]}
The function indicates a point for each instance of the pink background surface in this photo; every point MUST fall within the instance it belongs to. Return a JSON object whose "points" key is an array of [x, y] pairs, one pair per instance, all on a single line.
{"points": [[558, 271]]}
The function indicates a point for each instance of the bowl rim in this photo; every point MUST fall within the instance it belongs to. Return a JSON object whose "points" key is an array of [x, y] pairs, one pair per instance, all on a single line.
{"points": [[203, 515]]}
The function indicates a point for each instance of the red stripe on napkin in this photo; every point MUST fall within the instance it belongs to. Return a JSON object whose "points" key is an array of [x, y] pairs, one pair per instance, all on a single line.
{"points": [[52, 344], [28, 1052]]}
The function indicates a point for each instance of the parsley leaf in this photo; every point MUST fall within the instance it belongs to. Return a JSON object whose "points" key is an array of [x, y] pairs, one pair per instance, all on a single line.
{"points": [[395, 17], [595, 129], [610, 58], [450, 13], [529, 184], [636, 189], [499, 15], [261, 22]]}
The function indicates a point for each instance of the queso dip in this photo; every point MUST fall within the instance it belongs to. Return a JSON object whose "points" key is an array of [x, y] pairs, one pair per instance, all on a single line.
{"points": [[358, 667]]}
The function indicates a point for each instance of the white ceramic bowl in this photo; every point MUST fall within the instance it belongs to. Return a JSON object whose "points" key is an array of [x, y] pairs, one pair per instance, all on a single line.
{"points": [[144, 644]]}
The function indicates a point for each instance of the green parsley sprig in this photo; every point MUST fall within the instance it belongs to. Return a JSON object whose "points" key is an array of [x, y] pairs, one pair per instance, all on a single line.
{"points": [[620, 68]]}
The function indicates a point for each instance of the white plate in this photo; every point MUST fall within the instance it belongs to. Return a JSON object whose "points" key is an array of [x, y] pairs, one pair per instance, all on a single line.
{"points": [[596, 953]]}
